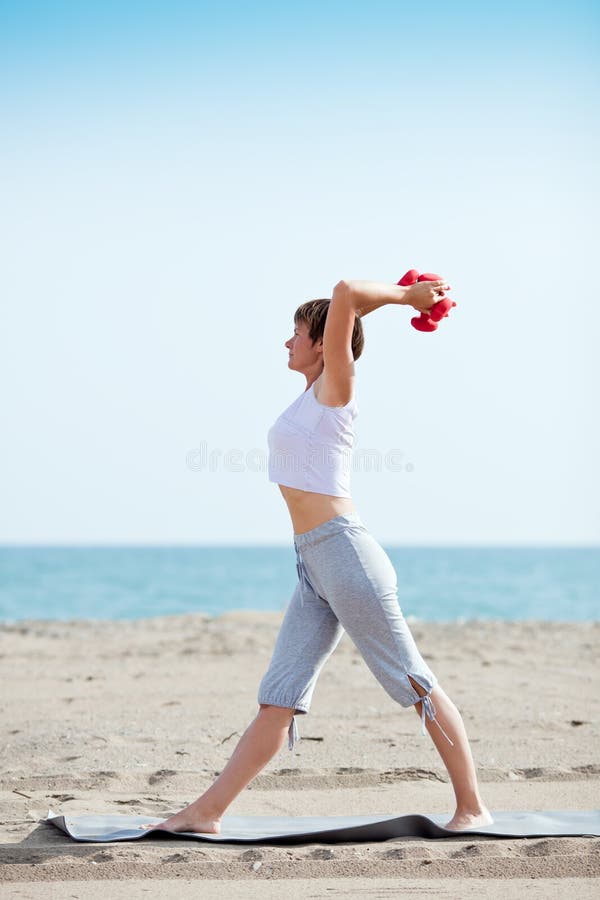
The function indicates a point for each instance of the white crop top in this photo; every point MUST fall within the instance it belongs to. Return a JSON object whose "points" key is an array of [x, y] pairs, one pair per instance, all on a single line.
{"points": [[310, 446]]}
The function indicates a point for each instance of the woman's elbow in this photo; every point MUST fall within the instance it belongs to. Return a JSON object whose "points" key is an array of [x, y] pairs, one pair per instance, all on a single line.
{"points": [[343, 288]]}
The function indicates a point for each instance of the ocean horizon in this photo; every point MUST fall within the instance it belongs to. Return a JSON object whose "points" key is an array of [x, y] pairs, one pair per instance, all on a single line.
{"points": [[60, 582]]}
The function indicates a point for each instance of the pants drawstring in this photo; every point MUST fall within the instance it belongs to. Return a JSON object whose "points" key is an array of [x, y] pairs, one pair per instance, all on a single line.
{"points": [[293, 734], [427, 708], [302, 576]]}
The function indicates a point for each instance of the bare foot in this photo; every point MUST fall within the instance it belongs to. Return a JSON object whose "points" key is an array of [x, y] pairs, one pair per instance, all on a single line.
{"points": [[465, 821], [189, 819]]}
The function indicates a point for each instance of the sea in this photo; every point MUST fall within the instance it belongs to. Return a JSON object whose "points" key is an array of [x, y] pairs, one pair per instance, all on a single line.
{"points": [[434, 583]]}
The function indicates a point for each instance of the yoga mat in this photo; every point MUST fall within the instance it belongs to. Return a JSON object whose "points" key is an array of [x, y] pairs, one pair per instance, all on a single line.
{"points": [[333, 829]]}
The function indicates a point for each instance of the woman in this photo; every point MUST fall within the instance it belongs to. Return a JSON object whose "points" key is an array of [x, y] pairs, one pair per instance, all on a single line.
{"points": [[345, 579]]}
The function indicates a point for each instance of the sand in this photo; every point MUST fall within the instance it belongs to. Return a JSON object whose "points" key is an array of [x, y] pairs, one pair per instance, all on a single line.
{"points": [[138, 717]]}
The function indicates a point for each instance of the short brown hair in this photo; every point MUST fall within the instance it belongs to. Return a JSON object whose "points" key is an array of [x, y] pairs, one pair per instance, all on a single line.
{"points": [[314, 313]]}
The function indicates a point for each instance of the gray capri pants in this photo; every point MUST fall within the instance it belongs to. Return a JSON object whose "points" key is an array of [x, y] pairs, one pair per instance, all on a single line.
{"points": [[346, 582]]}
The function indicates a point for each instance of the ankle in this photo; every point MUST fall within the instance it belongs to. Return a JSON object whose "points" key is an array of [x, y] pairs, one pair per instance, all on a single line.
{"points": [[473, 807], [206, 810]]}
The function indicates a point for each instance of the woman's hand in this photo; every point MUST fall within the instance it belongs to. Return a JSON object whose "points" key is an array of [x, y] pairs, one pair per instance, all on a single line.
{"points": [[422, 295]]}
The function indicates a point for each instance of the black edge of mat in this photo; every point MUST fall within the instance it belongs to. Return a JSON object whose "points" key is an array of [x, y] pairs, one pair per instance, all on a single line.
{"points": [[415, 826]]}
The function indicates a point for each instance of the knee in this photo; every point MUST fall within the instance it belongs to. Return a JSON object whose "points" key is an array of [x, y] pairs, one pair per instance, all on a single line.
{"points": [[423, 693], [282, 714]]}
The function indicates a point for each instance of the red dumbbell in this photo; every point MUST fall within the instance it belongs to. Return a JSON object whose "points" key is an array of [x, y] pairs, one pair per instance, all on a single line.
{"points": [[427, 321]]}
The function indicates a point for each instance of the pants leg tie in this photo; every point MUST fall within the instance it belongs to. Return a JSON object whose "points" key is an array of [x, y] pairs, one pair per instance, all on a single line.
{"points": [[293, 734], [428, 709]]}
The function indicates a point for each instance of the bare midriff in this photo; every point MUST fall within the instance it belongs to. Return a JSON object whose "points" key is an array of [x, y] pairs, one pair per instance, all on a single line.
{"points": [[308, 510]]}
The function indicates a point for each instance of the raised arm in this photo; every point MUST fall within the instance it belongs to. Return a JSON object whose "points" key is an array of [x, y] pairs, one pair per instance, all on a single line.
{"points": [[357, 298], [366, 296]]}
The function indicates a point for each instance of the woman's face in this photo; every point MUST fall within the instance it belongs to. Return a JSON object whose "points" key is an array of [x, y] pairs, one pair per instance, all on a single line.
{"points": [[303, 354]]}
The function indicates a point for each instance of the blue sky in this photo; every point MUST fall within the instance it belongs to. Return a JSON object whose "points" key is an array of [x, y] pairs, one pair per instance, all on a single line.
{"points": [[177, 178]]}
